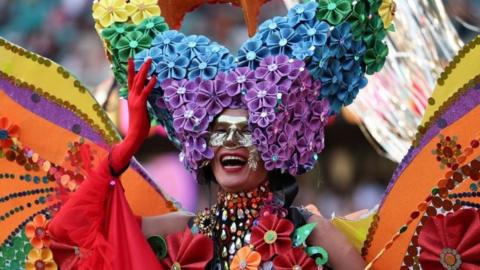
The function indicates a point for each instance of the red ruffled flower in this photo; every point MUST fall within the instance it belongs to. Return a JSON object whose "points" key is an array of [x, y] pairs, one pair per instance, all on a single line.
{"points": [[272, 236], [187, 251], [7, 132], [295, 258], [451, 241]]}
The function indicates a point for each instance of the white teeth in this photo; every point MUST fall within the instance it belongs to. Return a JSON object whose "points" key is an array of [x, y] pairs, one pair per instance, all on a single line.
{"points": [[225, 158]]}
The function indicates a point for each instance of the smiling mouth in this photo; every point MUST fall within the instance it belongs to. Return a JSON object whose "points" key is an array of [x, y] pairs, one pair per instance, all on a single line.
{"points": [[233, 161]]}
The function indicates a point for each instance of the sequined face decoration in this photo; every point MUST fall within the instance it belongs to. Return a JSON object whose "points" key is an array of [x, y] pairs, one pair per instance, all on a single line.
{"points": [[232, 132]]}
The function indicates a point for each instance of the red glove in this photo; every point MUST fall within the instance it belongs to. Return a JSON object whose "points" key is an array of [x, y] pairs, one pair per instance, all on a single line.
{"points": [[139, 121]]}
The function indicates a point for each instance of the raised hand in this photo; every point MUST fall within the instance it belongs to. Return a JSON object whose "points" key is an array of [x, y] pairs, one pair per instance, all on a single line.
{"points": [[139, 122]]}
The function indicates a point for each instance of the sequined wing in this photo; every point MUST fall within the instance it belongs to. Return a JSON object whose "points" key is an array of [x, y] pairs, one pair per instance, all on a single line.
{"points": [[52, 131], [429, 218]]}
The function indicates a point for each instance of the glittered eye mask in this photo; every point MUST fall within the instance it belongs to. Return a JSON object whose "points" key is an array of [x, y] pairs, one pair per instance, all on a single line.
{"points": [[230, 132]]}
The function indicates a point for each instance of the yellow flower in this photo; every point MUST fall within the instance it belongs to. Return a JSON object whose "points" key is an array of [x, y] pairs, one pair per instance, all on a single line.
{"points": [[40, 259], [106, 12], [246, 259], [141, 9], [387, 12]]}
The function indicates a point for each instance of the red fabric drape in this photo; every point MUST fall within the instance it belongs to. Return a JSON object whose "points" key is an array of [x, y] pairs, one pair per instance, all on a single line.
{"points": [[98, 220]]}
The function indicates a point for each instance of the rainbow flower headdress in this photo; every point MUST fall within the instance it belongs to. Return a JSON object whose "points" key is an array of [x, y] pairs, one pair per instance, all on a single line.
{"points": [[290, 76]]}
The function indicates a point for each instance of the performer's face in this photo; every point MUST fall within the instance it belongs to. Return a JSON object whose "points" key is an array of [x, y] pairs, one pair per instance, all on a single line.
{"points": [[236, 164]]}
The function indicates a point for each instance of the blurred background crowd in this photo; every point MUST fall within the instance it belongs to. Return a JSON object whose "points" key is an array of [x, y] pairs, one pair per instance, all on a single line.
{"points": [[350, 176]]}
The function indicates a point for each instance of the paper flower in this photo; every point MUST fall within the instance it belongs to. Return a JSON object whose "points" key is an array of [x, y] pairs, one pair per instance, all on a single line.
{"points": [[153, 26], [187, 251], [272, 236], [333, 11], [295, 258], [205, 66], [387, 12], [273, 69], [228, 63], [154, 53], [302, 12], [190, 118], [303, 50], [193, 46], [7, 132], [320, 60], [212, 95], [36, 232], [340, 39], [172, 66], [239, 80], [273, 157], [450, 241], [375, 57], [246, 259], [215, 48], [319, 117], [358, 19], [263, 95], [270, 27], [197, 150], [167, 41], [178, 93], [314, 32], [132, 43], [282, 42], [251, 53], [116, 31], [40, 259], [142, 9], [262, 117], [374, 32], [106, 12]]}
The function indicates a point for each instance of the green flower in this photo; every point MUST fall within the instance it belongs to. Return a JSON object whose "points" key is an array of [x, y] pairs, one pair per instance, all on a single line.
{"points": [[153, 26], [374, 5], [132, 43], [333, 11], [375, 57], [116, 31], [374, 32], [358, 19], [120, 72]]}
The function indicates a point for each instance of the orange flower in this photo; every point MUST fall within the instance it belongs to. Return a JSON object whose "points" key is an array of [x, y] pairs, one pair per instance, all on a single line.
{"points": [[36, 232], [40, 259], [246, 259], [7, 132]]}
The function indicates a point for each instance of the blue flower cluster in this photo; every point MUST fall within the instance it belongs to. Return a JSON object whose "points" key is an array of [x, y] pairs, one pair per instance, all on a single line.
{"points": [[176, 56], [331, 54]]}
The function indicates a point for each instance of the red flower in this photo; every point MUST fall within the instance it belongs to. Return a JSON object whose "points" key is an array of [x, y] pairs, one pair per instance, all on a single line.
{"points": [[272, 236], [295, 258], [187, 251], [7, 132], [451, 241], [36, 232]]}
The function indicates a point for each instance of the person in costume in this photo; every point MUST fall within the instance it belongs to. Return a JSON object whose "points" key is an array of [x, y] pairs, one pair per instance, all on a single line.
{"points": [[250, 124], [256, 195]]}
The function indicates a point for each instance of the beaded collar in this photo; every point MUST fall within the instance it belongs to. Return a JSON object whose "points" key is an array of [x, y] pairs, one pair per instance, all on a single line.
{"points": [[228, 222]]}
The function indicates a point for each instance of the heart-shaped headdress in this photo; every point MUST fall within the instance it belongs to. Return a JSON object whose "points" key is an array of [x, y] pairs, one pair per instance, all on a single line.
{"points": [[290, 76]]}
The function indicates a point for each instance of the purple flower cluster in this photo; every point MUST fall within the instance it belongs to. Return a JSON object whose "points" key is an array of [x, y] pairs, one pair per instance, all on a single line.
{"points": [[293, 138], [280, 95]]}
